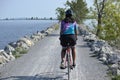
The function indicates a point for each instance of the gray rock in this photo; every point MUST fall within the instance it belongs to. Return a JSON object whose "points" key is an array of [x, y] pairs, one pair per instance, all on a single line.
{"points": [[11, 57], [3, 60], [49, 30], [39, 33], [35, 38], [9, 49], [23, 45], [13, 44], [103, 55], [104, 59], [3, 53], [43, 31], [4, 57], [114, 69], [118, 71], [106, 50], [113, 59], [28, 42]]}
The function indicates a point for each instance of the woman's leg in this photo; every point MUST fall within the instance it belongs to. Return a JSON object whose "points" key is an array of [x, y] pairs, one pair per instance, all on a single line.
{"points": [[62, 55], [62, 65], [74, 56]]}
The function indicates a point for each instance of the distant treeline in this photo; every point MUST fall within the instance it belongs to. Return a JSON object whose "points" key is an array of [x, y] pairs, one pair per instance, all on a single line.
{"points": [[32, 18]]}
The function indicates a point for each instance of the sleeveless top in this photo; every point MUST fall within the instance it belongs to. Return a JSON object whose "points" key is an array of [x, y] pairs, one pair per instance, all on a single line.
{"points": [[68, 28]]}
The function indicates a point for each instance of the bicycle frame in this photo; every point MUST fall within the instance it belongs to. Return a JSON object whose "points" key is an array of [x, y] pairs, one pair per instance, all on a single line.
{"points": [[68, 60]]}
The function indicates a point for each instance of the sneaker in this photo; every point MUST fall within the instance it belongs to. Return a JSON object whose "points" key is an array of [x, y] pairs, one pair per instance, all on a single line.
{"points": [[74, 65], [62, 66], [71, 67]]}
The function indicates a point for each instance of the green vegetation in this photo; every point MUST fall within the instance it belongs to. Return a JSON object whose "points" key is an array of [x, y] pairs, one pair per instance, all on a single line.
{"points": [[111, 20], [107, 14], [116, 78], [19, 52], [56, 26], [98, 12], [79, 8], [60, 13]]}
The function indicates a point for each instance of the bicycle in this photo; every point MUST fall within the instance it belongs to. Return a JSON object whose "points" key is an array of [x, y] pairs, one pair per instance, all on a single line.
{"points": [[68, 60]]}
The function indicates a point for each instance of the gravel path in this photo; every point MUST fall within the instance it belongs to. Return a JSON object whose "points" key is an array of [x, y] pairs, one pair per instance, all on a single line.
{"points": [[43, 60]]}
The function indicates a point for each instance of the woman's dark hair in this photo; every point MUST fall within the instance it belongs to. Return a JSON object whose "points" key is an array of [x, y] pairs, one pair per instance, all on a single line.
{"points": [[69, 19], [68, 16]]}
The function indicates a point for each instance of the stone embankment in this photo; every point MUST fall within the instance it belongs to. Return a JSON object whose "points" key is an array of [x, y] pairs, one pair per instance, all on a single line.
{"points": [[102, 50], [20, 47]]}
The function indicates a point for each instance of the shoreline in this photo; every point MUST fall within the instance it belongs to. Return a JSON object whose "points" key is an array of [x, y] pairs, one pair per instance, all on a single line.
{"points": [[105, 53], [13, 30], [20, 47]]}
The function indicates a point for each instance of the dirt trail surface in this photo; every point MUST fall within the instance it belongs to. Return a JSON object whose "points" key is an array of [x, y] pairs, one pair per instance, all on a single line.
{"points": [[43, 60]]}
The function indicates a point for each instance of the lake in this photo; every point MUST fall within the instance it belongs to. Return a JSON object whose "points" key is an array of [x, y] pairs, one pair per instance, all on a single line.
{"points": [[12, 30], [90, 23]]}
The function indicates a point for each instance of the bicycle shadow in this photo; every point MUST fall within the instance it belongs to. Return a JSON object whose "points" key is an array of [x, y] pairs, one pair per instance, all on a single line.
{"points": [[40, 76]]}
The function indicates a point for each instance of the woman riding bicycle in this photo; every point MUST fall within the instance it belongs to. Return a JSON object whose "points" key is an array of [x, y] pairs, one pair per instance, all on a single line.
{"points": [[68, 34]]}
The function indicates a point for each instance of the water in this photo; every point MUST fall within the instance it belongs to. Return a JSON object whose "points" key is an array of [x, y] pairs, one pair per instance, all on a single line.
{"points": [[91, 23], [12, 30]]}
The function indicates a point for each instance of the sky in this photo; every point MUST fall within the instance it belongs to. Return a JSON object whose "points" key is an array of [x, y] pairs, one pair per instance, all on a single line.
{"points": [[30, 8]]}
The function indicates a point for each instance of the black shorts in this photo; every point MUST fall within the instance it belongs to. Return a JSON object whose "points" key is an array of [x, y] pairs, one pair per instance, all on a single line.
{"points": [[65, 39]]}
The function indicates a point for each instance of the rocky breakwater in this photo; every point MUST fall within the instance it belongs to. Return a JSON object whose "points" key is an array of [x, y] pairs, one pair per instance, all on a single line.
{"points": [[16, 49], [102, 50]]}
